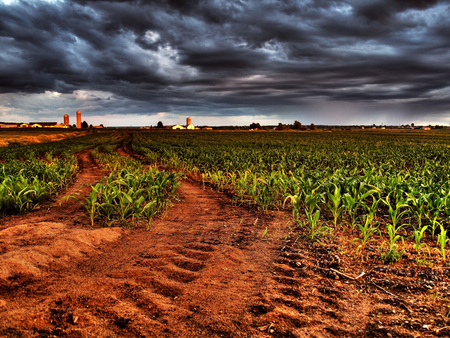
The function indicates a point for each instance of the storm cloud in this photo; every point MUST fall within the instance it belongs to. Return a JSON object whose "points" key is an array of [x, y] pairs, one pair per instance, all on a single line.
{"points": [[327, 62]]}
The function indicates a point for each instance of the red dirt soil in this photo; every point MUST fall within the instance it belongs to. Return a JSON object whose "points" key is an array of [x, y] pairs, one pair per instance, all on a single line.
{"points": [[206, 269]]}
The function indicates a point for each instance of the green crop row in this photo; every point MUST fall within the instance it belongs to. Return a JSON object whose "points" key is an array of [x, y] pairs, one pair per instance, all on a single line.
{"points": [[131, 193]]}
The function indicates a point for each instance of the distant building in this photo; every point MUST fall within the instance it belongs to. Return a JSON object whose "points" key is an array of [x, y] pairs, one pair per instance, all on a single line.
{"points": [[177, 126], [43, 124], [78, 119], [189, 124], [9, 125]]}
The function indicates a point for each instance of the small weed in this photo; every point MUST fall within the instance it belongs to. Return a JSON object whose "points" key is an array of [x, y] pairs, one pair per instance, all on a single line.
{"points": [[392, 255], [424, 262]]}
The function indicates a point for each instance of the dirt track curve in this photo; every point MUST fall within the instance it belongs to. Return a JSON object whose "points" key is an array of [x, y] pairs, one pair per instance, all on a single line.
{"points": [[204, 270]]}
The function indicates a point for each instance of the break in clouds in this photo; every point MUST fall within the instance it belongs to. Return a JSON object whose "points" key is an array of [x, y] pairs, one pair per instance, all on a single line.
{"points": [[226, 62]]}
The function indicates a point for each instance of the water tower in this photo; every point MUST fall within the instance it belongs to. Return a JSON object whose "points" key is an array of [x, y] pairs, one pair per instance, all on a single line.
{"points": [[78, 119], [66, 120]]}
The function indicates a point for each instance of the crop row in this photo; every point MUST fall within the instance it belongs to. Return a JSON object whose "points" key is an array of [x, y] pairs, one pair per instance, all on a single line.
{"points": [[130, 194]]}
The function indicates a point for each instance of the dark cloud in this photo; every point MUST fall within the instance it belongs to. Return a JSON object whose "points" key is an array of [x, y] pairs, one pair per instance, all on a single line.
{"points": [[231, 55], [382, 11], [224, 60]]}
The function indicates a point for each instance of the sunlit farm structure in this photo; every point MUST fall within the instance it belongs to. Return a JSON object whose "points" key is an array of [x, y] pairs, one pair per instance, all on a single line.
{"points": [[188, 125], [42, 125], [78, 119]]}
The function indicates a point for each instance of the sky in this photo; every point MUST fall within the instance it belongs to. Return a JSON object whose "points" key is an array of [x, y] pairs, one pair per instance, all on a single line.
{"points": [[226, 62]]}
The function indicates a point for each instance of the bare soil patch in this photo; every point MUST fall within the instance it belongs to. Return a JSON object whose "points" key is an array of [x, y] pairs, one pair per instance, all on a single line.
{"points": [[204, 269]]}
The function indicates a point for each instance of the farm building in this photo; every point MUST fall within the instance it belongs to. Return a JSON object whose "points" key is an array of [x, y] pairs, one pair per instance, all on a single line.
{"points": [[42, 124], [189, 125], [8, 125]]}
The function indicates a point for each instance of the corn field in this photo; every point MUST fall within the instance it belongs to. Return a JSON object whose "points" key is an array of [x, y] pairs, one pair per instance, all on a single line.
{"points": [[394, 186], [388, 187], [30, 174]]}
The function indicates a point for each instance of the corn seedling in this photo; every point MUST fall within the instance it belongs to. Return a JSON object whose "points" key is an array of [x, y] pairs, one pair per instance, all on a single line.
{"points": [[392, 254], [335, 203], [313, 227], [296, 205], [367, 231], [418, 236], [442, 241]]}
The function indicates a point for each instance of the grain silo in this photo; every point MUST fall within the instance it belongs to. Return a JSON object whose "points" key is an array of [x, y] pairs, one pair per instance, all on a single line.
{"points": [[66, 120], [78, 119], [188, 121]]}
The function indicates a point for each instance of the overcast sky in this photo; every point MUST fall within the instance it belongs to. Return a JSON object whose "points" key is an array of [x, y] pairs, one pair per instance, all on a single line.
{"points": [[226, 62]]}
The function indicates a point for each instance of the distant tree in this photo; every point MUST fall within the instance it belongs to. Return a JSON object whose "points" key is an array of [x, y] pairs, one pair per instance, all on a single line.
{"points": [[313, 126], [255, 126], [84, 124], [297, 125], [91, 126], [160, 125], [282, 126]]}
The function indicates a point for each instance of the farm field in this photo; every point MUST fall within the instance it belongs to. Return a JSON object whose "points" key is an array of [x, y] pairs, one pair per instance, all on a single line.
{"points": [[35, 135], [200, 233]]}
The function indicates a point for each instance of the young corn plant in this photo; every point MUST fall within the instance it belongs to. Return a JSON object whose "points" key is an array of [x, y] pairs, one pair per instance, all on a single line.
{"points": [[354, 200], [392, 254], [312, 200], [335, 203], [314, 229], [296, 201], [367, 231], [442, 241], [267, 193], [149, 211], [418, 206], [350, 205], [418, 236], [395, 211], [91, 203], [435, 205]]}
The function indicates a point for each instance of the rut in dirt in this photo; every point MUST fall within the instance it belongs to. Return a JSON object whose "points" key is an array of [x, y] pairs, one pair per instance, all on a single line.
{"points": [[202, 270]]}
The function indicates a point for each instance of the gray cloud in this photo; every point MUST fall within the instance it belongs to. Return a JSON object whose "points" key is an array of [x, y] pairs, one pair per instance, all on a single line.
{"points": [[232, 57]]}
